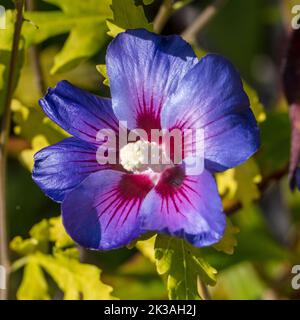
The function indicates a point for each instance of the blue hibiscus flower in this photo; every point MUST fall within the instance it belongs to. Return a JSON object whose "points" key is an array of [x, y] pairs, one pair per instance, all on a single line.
{"points": [[156, 82]]}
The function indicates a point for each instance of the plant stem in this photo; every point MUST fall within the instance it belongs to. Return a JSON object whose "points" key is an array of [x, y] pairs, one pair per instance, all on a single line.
{"points": [[4, 135], [204, 292], [165, 11], [204, 17], [35, 56]]}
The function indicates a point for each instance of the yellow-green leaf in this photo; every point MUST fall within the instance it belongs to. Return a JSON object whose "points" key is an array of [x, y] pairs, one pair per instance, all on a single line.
{"points": [[32, 125], [147, 247], [228, 242], [240, 183], [58, 233], [126, 15], [101, 68], [84, 20], [183, 265], [256, 106], [23, 247], [34, 285], [75, 279]]}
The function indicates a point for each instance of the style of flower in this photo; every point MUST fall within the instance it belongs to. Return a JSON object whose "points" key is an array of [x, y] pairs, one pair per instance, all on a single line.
{"points": [[156, 82]]}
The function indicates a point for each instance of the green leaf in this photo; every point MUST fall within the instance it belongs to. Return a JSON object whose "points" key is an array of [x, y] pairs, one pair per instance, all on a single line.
{"points": [[39, 240], [58, 233], [147, 247], [256, 106], [40, 231], [34, 285], [23, 247], [247, 176], [75, 279], [180, 4], [84, 20], [240, 183], [101, 68], [126, 15], [32, 125], [182, 264], [228, 242]]}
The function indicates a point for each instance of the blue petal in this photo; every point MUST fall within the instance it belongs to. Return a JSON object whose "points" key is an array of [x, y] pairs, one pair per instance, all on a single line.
{"points": [[78, 112], [102, 212], [211, 97], [144, 69], [61, 167], [184, 206]]}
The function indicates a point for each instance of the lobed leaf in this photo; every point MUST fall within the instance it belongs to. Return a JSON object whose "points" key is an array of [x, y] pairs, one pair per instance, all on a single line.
{"points": [[228, 242], [126, 15], [182, 264]]}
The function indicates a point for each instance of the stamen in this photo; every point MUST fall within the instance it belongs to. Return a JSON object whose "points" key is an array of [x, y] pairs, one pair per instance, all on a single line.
{"points": [[144, 157]]}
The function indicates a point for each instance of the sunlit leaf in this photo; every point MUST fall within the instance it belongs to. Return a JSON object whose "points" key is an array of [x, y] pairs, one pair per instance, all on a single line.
{"points": [[58, 233], [180, 4], [126, 15], [34, 285], [101, 68], [240, 183], [40, 231], [182, 264], [75, 279], [23, 247], [147, 247], [34, 126], [228, 242], [84, 20], [256, 106], [38, 241]]}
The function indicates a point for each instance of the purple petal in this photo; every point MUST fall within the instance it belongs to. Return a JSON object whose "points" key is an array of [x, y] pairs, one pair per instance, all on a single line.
{"points": [[144, 69], [211, 97], [61, 167], [78, 112], [185, 206], [102, 212]]}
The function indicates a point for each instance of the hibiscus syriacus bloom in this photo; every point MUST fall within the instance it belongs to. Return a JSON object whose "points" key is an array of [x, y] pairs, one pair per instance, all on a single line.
{"points": [[156, 82]]}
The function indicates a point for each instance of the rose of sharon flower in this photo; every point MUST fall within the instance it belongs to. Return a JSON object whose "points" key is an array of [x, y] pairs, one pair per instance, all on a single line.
{"points": [[156, 82]]}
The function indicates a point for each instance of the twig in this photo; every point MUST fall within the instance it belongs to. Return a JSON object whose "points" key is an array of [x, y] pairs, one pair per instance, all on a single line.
{"points": [[205, 16], [4, 135], [35, 56], [165, 11]]}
